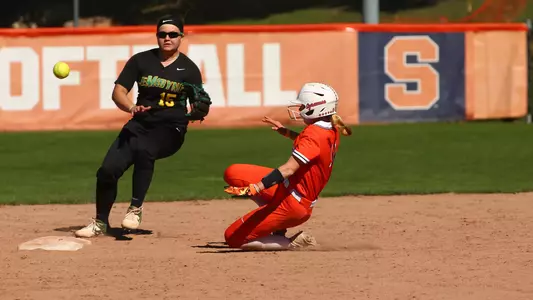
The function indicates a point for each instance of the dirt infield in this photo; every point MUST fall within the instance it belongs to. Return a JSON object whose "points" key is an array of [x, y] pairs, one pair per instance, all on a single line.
{"points": [[403, 247]]}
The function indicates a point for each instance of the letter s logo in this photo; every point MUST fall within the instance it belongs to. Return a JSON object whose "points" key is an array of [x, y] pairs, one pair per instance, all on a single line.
{"points": [[422, 73]]}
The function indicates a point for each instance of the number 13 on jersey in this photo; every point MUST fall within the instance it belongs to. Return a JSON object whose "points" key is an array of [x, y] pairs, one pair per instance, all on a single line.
{"points": [[167, 99]]}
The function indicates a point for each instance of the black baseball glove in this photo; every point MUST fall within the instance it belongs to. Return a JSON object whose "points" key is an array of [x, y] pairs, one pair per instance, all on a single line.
{"points": [[199, 100]]}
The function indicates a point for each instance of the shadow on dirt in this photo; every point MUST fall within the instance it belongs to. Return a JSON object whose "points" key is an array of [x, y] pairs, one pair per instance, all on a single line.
{"points": [[120, 234], [217, 247], [221, 247]]}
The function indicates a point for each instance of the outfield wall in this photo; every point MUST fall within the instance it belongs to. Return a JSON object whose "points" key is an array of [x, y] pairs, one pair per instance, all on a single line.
{"points": [[383, 73]]}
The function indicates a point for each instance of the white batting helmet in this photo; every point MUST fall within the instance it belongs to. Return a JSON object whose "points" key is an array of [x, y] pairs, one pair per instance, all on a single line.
{"points": [[315, 100]]}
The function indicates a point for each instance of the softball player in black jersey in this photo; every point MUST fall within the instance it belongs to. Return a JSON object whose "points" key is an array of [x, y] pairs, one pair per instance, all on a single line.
{"points": [[166, 79]]}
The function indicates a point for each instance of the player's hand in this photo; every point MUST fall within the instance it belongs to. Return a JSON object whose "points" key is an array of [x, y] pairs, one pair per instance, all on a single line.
{"points": [[139, 108], [250, 190], [275, 124]]}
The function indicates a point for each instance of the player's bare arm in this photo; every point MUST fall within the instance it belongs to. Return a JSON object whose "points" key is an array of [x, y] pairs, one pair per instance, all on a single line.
{"points": [[120, 97], [278, 127], [122, 101], [278, 175]]}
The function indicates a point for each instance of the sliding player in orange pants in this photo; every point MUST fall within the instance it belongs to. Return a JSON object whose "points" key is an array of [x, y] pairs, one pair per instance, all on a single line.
{"points": [[286, 195]]}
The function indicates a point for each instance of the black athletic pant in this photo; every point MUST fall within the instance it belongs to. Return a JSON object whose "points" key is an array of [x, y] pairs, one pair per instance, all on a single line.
{"points": [[136, 145]]}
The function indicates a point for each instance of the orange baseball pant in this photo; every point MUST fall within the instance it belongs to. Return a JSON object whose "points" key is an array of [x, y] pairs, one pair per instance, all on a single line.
{"points": [[281, 210]]}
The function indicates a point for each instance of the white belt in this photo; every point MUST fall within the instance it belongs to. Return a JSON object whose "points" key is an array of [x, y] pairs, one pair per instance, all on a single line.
{"points": [[299, 197]]}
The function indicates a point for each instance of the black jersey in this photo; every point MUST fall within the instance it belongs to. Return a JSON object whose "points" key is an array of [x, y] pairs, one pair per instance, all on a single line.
{"points": [[160, 87]]}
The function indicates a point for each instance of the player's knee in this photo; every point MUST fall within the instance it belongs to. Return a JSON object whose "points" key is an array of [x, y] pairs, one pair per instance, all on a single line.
{"points": [[106, 174], [228, 173], [232, 173], [234, 243], [144, 159], [232, 239]]}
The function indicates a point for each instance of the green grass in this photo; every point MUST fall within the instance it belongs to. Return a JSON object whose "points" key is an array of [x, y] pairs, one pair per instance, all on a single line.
{"points": [[60, 167], [310, 15], [453, 10]]}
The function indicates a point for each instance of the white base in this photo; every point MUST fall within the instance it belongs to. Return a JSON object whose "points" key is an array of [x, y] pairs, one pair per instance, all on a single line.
{"points": [[54, 243]]}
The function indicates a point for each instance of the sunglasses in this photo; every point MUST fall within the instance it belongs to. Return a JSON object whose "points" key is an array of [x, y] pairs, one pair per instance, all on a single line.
{"points": [[172, 34]]}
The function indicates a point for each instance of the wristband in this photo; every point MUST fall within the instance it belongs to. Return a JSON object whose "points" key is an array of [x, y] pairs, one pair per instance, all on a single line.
{"points": [[284, 131], [272, 178]]}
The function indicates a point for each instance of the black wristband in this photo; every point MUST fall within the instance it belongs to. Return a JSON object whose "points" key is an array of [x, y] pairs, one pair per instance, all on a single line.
{"points": [[272, 178], [284, 131]]}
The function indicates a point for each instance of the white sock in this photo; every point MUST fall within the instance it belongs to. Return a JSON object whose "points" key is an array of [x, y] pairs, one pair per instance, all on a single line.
{"points": [[268, 243]]}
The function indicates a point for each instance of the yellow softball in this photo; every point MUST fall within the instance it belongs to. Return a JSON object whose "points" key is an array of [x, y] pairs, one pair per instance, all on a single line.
{"points": [[61, 70]]}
